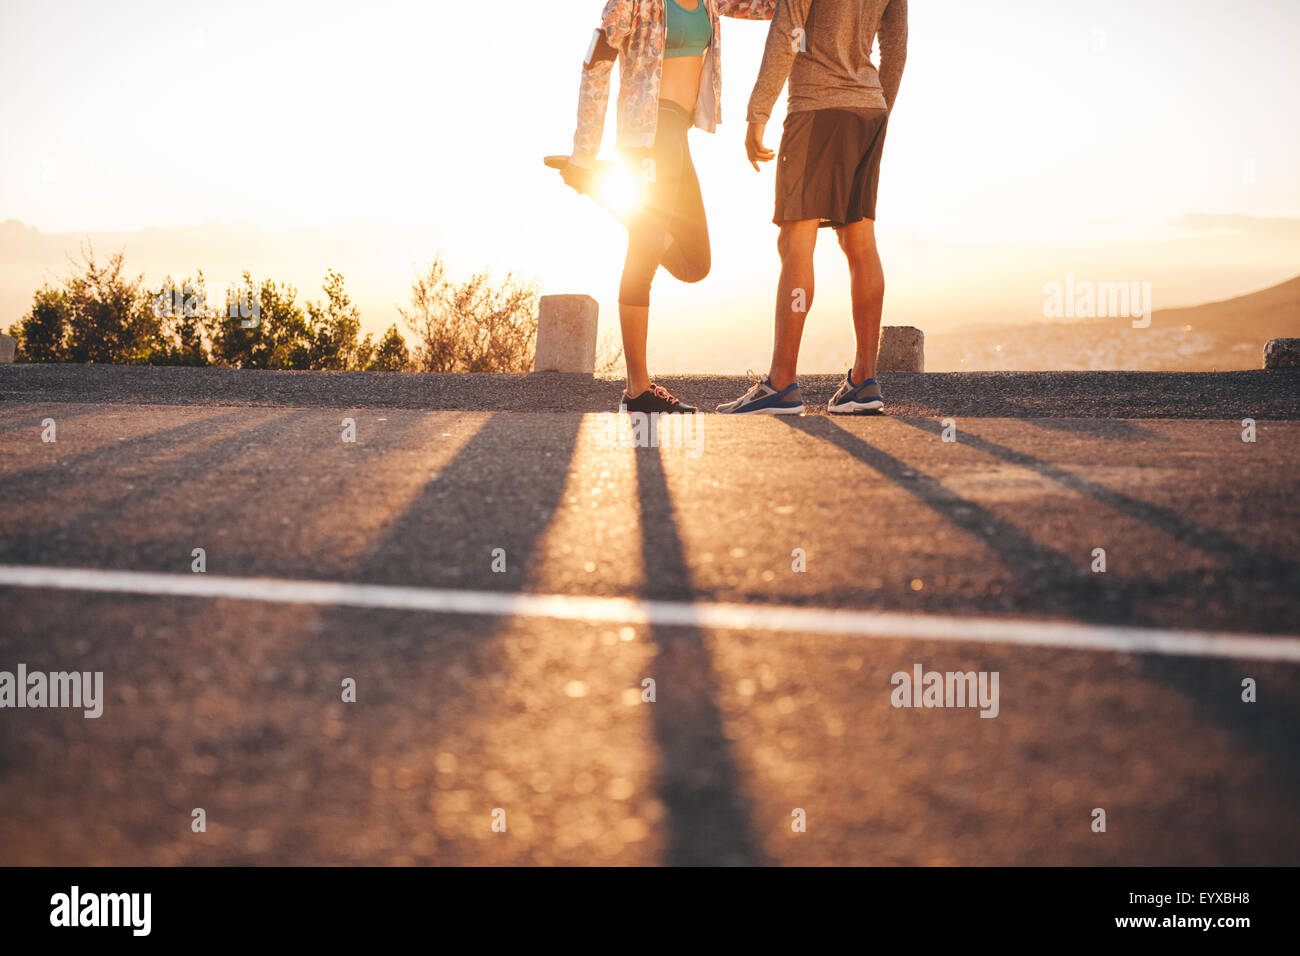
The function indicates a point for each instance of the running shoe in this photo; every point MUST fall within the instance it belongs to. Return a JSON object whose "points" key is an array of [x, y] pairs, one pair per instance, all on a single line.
{"points": [[656, 398], [863, 399], [763, 399]]}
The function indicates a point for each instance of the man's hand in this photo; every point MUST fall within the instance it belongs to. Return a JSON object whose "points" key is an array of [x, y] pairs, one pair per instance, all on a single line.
{"points": [[757, 152]]}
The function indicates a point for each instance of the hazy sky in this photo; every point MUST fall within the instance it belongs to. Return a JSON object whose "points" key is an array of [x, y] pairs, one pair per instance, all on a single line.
{"points": [[1021, 126]]}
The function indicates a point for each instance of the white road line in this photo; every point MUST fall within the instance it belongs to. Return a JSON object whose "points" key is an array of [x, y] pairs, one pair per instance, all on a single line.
{"points": [[737, 617]]}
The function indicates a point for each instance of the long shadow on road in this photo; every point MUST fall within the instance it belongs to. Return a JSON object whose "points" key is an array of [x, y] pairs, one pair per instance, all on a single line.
{"points": [[1050, 582], [1054, 584], [59, 487], [700, 784], [1267, 727], [30, 416], [436, 684], [502, 490], [1244, 561]]}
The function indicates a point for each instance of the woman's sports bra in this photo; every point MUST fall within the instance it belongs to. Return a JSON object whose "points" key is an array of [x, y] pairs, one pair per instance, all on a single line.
{"points": [[689, 31]]}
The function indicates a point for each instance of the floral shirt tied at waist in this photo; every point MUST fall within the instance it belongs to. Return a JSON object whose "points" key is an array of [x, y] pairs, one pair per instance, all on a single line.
{"points": [[633, 31]]}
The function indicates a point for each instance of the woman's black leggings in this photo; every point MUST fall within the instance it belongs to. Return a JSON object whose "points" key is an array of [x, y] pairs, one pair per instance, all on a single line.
{"points": [[669, 228]]}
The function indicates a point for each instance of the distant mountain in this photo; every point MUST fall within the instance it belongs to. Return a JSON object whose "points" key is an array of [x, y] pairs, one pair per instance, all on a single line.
{"points": [[1226, 335]]}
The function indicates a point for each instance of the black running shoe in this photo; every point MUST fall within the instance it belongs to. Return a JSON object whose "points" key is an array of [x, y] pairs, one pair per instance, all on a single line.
{"points": [[591, 182], [656, 398], [582, 179]]}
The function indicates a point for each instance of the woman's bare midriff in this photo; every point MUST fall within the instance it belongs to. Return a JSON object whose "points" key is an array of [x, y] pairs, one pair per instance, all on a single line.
{"points": [[681, 81]]}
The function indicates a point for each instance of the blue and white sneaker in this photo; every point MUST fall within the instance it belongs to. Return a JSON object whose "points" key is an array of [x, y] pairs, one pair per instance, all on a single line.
{"points": [[850, 399], [763, 399]]}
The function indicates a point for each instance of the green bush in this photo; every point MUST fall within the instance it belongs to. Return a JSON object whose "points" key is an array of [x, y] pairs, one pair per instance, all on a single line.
{"points": [[471, 326], [101, 315]]}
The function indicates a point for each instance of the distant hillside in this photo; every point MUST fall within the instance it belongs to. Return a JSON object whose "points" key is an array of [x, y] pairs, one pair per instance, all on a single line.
{"points": [[1224, 335]]}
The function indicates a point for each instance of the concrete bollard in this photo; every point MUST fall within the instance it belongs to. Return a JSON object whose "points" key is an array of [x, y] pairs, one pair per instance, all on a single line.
{"points": [[8, 345], [1282, 353], [566, 334], [902, 349]]}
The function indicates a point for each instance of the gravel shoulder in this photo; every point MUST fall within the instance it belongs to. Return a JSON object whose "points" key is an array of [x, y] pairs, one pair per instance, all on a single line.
{"points": [[1262, 395]]}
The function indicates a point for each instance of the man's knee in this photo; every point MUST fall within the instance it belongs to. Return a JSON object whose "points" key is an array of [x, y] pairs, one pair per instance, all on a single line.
{"points": [[858, 239], [796, 240]]}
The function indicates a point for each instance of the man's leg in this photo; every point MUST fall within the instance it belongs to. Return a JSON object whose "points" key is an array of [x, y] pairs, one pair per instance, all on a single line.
{"points": [[794, 297], [858, 240]]}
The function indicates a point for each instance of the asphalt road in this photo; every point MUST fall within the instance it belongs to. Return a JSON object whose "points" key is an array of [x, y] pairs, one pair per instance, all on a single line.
{"points": [[234, 706]]}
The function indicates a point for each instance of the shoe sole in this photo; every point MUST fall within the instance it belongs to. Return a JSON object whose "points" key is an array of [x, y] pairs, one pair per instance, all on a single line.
{"points": [[857, 408], [622, 410], [798, 410]]}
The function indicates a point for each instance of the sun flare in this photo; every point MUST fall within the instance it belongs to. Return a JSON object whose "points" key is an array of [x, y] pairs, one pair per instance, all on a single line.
{"points": [[618, 190]]}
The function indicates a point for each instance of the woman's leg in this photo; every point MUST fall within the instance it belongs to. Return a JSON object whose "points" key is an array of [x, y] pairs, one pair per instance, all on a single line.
{"points": [[689, 257], [648, 238], [634, 321], [670, 230], [646, 242]]}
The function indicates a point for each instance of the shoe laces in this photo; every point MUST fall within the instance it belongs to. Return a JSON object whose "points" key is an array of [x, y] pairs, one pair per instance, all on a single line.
{"points": [[666, 395]]}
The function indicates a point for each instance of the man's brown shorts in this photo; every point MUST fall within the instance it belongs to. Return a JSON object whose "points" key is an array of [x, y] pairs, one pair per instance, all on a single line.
{"points": [[829, 165]]}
